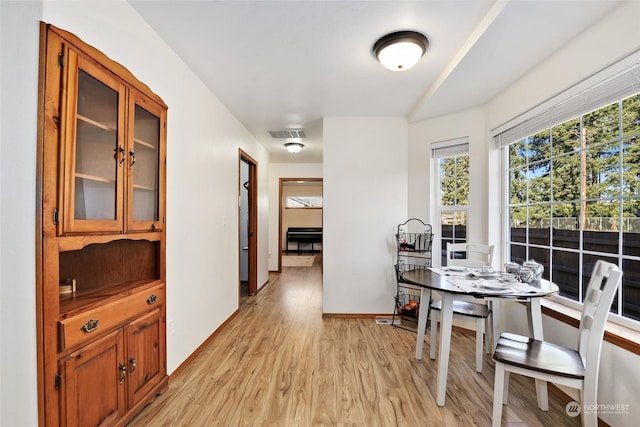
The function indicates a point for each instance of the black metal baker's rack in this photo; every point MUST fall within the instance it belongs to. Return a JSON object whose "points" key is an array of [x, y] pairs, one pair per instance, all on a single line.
{"points": [[414, 240]]}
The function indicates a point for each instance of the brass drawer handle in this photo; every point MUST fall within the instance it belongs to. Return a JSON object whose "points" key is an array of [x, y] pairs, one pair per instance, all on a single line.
{"points": [[90, 326], [152, 299]]}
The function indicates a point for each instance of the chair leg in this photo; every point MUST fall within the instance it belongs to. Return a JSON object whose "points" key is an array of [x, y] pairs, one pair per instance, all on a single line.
{"points": [[479, 327], [588, 399], [433, 343], [498, 394], [505, 390], [542, 394]]}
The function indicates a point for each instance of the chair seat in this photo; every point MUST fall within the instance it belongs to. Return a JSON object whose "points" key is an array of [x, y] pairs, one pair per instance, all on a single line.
{"points": [[465, 308], [541, 356]]}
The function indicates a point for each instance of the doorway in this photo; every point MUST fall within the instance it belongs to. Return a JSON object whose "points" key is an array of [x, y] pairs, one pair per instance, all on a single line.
{"points": [[307, 212], [247, 223]]}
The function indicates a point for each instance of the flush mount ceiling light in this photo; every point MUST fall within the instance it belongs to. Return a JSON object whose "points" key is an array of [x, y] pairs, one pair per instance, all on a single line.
{"points": [[401, 50], [293, 147]]}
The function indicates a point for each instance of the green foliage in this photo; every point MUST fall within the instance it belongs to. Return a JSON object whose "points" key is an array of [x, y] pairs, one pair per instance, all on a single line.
{"points": [[454, 180], [582, 163]]}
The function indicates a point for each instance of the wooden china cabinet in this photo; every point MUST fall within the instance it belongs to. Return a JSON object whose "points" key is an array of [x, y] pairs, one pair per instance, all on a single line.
{"points": [[100, 237]]}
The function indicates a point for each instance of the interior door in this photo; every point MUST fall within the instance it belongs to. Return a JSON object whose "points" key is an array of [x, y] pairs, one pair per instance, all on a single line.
{"points": [[248, 220]]}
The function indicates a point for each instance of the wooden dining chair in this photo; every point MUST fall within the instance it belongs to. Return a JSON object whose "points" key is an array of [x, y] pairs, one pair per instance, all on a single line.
{"points": [[545, 361], [467, 255]]}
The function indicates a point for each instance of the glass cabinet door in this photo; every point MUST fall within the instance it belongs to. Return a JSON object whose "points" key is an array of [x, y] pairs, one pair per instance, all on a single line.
{"points": [[146, 164], [94, 152]]}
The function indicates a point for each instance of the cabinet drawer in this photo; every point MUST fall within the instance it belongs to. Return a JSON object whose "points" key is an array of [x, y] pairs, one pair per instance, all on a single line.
{"points": [[84, 326]]}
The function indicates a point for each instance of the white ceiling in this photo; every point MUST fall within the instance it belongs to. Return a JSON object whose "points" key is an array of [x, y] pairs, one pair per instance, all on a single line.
{"points": [[287, 64]]}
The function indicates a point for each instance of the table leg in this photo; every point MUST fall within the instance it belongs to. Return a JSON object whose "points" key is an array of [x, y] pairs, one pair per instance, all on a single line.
{"points": [[422, 321], [446, 319], [496, 306], [534, 315]]}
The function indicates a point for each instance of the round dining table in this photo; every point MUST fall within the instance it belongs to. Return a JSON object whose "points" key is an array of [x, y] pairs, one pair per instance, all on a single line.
{"points": [[457, 285]]}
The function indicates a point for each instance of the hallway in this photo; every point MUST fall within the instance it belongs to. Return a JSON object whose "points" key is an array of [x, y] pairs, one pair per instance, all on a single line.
{"points": [[279, 363]]}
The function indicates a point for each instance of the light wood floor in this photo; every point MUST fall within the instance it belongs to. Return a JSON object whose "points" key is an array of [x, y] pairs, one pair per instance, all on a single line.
{"points": [[279, 363]]}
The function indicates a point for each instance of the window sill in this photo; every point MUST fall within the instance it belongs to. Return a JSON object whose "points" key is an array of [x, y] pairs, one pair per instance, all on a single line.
{"points": [[617, 335]]}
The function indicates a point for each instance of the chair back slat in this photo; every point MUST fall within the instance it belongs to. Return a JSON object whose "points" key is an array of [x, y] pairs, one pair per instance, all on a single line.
{"points": [[594, 295], [476, 254], [587, 323]]}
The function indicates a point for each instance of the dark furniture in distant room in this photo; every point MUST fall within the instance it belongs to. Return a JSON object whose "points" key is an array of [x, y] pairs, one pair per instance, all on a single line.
{"points": [[303, 235]]}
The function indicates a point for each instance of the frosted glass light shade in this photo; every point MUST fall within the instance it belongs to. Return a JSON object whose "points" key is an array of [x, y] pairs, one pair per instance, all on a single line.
{"points": [[401, 50], [293, 147]]}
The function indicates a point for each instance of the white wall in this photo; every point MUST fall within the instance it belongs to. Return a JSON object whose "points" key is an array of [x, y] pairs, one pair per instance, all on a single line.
{"points": [[18, 86], [365, 198], [607, 41], [202, 185], [277, 171], [423, 196]]}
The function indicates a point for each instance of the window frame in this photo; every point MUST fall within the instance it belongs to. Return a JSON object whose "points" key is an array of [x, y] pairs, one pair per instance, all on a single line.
{"points": [[312, 206], [620, 256], [445, 149]]}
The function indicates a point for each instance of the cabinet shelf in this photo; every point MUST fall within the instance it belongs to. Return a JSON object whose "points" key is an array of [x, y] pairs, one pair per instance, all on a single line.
{"points": [[95, 123], [143, 187], [95, 178], [145, 144]]}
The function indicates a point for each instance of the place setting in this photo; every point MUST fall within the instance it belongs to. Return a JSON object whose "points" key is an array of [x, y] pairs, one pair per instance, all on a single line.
{"points": [[488, 280], [453, 270], [495, 283]]}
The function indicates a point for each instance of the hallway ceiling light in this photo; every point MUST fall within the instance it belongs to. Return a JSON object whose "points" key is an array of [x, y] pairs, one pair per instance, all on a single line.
{"points": [[401, 50], [293, 147]]}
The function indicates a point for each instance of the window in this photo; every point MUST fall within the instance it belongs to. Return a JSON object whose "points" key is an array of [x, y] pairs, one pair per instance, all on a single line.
{"points": [[453, 191], [303, 202], [574, 198]]}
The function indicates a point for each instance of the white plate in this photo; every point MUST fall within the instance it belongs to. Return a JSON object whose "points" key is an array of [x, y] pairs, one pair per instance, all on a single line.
{"points": [[456, 268], [485, 274], [494, 285]]}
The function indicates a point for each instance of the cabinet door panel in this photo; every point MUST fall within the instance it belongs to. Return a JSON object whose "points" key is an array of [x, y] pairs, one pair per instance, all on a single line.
{"points": [[93, 383], [145, 344], [93, 148], [146, 162]]}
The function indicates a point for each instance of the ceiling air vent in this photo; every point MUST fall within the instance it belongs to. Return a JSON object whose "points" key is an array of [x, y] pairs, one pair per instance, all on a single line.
{"points": [[287, 133]]}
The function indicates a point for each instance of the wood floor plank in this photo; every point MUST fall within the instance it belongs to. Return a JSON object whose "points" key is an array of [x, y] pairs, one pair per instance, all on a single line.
{"points": [[279, 363]]}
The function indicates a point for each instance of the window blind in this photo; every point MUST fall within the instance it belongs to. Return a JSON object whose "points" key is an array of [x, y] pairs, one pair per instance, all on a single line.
{"points": [[450, 147], [569, 105]]}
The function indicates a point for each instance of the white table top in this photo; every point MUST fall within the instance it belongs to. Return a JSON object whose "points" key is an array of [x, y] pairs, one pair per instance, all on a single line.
{"points": [[478, 287]]}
